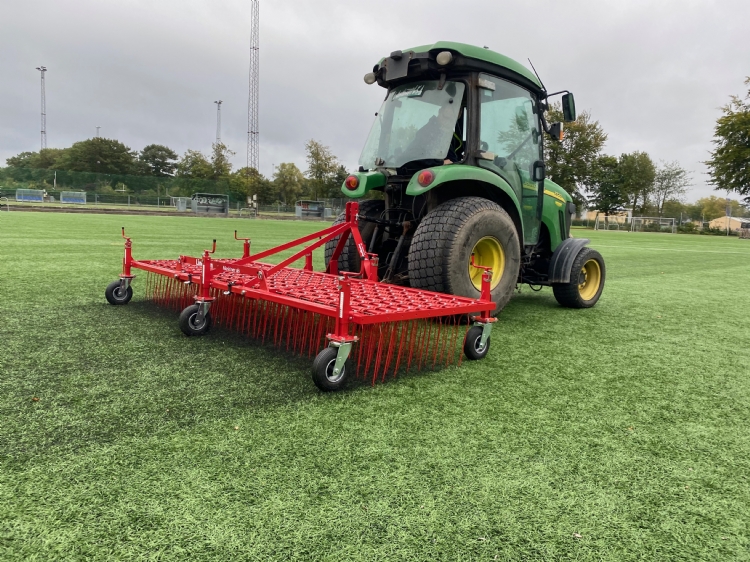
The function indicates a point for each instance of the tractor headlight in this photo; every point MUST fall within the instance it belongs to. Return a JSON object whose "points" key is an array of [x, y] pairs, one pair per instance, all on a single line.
{"points": [[444, 58], [370, 78]]}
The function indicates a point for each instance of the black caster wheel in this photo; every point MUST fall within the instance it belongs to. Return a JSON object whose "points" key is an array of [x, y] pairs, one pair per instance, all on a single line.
{"points": [[115, 295], [189, 323], [322, 371], [473, 348]]}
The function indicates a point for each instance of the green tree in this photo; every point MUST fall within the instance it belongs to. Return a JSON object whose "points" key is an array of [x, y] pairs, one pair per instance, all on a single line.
{"points": [[714, 207], [247, 182], [605, 187], [97, 155], [569, 162], [337, 181], [289, 181], [44, 159], [157, 160], [195, 165], [637, 175], [322, 166], [729, 166], [675, 208], [24, 160], [220, 163], [670, 183]]}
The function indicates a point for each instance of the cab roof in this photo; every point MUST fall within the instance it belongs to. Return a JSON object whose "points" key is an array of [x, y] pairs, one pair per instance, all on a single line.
{"points": [[482, 54]]}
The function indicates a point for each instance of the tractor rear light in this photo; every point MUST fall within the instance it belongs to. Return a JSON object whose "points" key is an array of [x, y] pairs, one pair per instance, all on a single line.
{"points": [[351, 183], [425, 177]]}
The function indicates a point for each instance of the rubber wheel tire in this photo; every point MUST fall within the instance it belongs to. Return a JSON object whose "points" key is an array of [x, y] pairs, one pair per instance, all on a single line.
{"points": [[188, 325], [471, 344], [349, 258], [440, 251], [114, 294], [322, 371], [569, 294]]}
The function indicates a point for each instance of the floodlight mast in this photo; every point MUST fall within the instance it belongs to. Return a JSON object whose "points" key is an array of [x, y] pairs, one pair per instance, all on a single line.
{"points": [[218, 121], [253, 137], [43, 69]]}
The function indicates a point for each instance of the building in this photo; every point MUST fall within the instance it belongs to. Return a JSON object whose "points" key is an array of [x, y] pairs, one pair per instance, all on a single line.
{"points": [[735, 223], [621, 216]]}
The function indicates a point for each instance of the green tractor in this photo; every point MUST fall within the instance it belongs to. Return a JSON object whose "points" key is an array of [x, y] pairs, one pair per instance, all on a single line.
{"points": [[456, 150]]}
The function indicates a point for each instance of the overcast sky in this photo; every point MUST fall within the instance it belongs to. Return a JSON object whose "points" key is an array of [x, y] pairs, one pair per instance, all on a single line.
{"points": [[654, 74]]}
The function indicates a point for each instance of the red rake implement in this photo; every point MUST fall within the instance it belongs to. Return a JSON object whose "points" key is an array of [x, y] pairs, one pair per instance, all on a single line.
{"points": [[303, 311]]}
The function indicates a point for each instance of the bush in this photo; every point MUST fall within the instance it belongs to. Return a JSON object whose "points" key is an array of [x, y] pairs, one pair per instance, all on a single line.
{"points": [[717, 232], [687, 228]]}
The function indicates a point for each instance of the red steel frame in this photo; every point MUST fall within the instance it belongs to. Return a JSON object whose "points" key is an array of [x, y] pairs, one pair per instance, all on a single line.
{"points": [[350, 298]]}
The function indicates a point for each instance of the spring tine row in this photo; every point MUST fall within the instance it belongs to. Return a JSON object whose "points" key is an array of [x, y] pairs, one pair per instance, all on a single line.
{"points": [[382, 349]]}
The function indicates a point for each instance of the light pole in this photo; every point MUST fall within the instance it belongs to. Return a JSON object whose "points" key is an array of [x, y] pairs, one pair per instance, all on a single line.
{"points": [[43, 69], [218, 121], [97, 131]]}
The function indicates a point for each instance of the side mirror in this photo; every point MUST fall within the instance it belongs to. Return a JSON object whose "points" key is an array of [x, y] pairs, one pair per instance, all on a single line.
{"points": [[538, 171], [569, 107]]}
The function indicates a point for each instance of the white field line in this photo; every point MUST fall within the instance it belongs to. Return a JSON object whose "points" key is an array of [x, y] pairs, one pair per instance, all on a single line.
{"points": [[595, 245]]}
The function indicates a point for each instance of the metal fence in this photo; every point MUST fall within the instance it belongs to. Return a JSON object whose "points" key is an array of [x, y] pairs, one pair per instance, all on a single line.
{"points": [[171, 204]]}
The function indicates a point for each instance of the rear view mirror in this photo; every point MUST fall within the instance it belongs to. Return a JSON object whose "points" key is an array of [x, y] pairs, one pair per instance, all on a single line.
{"points": [[569, 107]]}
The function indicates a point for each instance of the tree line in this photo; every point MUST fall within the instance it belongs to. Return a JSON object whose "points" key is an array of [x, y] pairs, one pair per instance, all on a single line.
{"points": [[105, 159], [611, 184], [634, 182], [607, 183]]}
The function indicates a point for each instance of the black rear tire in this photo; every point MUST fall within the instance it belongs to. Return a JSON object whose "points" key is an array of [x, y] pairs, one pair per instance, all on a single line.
{"points": [[189, 324], [586, 281], [322, 371], [349, 259], [442, 246], [115, 295], [472, 348]]}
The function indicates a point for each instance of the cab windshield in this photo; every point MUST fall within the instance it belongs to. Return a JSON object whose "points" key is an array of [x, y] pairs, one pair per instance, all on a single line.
{"points": [[416, 122]]}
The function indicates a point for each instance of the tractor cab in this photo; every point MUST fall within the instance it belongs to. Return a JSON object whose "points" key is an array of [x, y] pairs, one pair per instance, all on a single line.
{"points": [[461, 122]]}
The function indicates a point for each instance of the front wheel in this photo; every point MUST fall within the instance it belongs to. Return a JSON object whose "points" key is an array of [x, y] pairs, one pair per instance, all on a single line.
{"points": [[115, 295], [322, 371], [473, 348], [191, 324], [586, 281]]}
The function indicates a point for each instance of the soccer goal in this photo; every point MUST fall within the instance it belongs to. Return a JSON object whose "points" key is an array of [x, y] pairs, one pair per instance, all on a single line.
{"points": [[653, 224], [611, 222], [77, 197], [30, 195]]}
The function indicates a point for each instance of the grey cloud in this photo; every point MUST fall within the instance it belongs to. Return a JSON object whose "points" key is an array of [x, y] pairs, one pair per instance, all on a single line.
{"points": [[654, 74]]}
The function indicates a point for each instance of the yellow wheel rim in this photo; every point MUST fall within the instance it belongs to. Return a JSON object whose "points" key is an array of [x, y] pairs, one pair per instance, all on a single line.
{"points": [[487, 252], [591, 274]]}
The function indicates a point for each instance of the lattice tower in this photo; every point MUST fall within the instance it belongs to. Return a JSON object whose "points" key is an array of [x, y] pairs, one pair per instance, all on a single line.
{"points": [[253, 136]]}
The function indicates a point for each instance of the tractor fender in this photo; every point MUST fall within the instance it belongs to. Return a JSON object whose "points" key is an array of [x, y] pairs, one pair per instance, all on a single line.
{"points": [[464, 173], [561, 261]]}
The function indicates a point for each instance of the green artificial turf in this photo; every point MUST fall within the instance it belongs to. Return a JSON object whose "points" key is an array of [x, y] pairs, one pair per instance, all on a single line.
{"points": [[615, 433]]}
